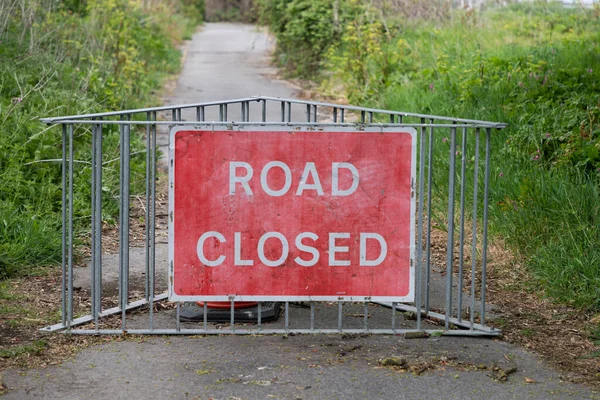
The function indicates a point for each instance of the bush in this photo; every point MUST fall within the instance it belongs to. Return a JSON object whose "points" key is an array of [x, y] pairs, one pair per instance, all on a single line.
{"points": [[534, 66], [64, 58]]}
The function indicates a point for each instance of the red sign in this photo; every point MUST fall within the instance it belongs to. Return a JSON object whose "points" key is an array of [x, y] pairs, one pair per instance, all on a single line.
{"points": [[266, 213]]}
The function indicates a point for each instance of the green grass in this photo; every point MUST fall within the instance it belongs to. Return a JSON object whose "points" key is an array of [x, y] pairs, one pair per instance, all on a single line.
{"points": [[32, 349], [64, 58], [533, 66]]}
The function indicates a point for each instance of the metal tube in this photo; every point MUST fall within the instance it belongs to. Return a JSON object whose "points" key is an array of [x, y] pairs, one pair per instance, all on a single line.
{"points": [[308, 113], [391, 118], [420, 216], [63, 292], [177, 316], [366, 317], [124, 223], [340, 315], [259, 321], [393, 316], [315, 113], [221, 112], [474, 240], [467, 333], [148, 190], [205, 316], [335, 116], [485, 223], [428, 239], [152, 221], [362, 117], [264, 110], [463, 184], [450, 248], [98, 221], [282, 111], [287, 316], [289, 112], [93, 225], [312, 315], [243, 110], [232, 315], [342, 112], [70, 260]]}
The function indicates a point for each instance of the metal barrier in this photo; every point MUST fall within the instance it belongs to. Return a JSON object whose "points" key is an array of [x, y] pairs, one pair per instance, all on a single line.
{"points": [[450, 298]]}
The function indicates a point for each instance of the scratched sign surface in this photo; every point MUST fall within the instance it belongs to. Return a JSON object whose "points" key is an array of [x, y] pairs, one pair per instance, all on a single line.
{"points": [[266, 213]]}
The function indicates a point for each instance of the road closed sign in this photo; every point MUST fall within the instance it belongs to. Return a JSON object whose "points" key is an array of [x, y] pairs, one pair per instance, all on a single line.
{"points": [[291, 213]]}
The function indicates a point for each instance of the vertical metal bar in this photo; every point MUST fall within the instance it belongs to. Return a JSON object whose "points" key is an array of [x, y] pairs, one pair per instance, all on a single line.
{"points": [[450, 248], [463, 184], [335, 117], [370, 117], [488, 132], [225, 107], [205, 316], [124, 223], [243, 110], [340, 315], [259, 321], [173, 115], [308, 113], [70, 260], [98, 221], [64, 227], [283, 111], [289, 111], [420, 216], [428, 240], [94, 165], [152, 220], [394, 316], [287, 316], [400, 119], [366, 317], [221, 112], [264, 110], [391, 118], [362, 117], [312, 315], [178, 316], [474, 240], [232, 316], [147, 216], [342, 115], [315, 113]]}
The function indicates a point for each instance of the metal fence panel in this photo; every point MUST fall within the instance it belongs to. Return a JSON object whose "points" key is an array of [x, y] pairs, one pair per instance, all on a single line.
{"points": [[450, 297]]}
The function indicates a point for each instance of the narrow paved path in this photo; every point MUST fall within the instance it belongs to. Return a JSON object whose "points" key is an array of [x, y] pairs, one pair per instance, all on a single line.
{"points": [[231, 61]]}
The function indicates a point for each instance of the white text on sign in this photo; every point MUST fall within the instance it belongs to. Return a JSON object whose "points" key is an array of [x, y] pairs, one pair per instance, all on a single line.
{"points": [[241, 173]]}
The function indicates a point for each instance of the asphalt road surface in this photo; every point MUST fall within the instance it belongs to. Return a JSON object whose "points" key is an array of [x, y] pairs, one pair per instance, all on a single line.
{"points": [[231, 61]]}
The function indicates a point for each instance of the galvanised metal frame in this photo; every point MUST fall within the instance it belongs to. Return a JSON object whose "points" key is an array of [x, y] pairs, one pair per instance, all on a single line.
{"points": [[331, 115]]}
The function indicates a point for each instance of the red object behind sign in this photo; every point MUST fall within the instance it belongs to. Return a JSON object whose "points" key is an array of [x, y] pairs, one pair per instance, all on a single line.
{"points": [[272, 213]]}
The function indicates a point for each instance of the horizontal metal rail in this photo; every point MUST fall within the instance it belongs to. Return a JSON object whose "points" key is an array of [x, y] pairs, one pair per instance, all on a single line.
{"points": [[371, 111], [242, 331], [290, 124]]}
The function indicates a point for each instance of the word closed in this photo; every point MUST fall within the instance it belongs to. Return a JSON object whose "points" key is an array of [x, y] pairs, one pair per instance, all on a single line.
{"points": [[272, 214]]}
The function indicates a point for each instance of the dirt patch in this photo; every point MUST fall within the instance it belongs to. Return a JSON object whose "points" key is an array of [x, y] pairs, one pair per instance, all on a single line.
{"points": [[562, 335]]}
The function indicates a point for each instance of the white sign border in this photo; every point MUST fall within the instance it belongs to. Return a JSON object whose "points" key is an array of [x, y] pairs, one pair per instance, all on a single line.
{"points": [[174, 297]]}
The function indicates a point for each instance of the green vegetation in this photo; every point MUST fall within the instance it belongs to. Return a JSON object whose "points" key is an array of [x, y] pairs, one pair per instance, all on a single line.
{"points": [[534, 66], [64, 58]]}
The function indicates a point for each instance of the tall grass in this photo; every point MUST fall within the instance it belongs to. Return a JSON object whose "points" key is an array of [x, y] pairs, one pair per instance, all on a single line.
{"points": [[63, 58], [535, 66]]}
